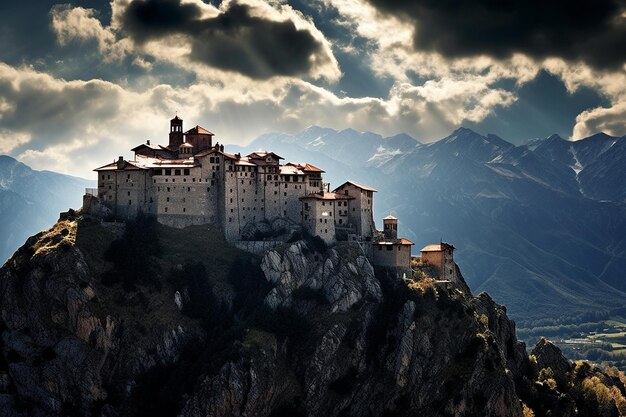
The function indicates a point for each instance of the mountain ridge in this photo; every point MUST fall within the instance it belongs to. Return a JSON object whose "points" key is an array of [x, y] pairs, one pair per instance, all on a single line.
{"points": [[561, 203], [31, 200]]}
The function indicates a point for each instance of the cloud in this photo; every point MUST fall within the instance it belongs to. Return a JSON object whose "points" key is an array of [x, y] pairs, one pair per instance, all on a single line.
{"points": [[47, 107], [249, 38], [608, 120], [80, 24], [591, 32], [74, 126]]}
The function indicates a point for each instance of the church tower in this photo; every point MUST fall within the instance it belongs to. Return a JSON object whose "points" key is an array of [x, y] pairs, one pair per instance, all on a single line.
{"points": [[176, 132], [390, 227]]}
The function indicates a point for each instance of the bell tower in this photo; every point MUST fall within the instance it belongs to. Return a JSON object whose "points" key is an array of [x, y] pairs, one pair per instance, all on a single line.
{"points": [[390, 227], [176, 132]]}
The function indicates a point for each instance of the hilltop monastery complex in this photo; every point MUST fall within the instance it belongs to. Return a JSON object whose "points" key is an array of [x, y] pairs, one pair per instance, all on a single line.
{"points": [[192, 181]]}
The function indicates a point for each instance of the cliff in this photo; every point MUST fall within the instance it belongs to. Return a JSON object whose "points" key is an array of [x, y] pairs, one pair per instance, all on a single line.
{"points": [[141, 319]]}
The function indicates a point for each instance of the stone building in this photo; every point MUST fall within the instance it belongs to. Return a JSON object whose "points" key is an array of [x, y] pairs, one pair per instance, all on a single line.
{"points": [[390, 251], [441, 256], [192, 181]]}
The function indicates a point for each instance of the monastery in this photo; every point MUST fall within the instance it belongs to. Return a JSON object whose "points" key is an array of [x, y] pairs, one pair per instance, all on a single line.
{"points": [[192, 181]]}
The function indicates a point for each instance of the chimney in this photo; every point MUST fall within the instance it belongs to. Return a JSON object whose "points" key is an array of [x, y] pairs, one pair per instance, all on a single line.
{"points": [[148, 142], [120, 162]]}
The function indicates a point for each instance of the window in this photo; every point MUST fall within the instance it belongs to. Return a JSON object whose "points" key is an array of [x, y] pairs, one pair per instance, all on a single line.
{"points": [[129, 193], [389, 247], [167, 199], [177, 172], [166, 209], [168, 172], [186, 171], [168, 189], [188, 189], [184, 209], [129, 202]]}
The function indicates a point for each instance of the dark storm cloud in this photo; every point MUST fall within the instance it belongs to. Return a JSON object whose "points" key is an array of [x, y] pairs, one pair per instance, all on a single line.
{"points": [[234, 40], [591, 31]]}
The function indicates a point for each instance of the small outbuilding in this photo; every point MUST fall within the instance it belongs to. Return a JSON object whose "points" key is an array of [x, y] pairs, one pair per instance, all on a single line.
{"points": [[441, 257]]}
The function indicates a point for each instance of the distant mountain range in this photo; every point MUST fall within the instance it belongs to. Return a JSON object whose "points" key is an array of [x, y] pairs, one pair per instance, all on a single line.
{"points": [[541, 227], [31, 200]]}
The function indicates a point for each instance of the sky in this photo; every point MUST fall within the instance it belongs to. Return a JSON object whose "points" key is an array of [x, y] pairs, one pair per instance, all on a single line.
{"points": [[85, 81]]}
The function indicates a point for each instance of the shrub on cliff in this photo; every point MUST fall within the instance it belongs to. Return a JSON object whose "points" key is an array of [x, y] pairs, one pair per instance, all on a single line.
{"points": [[132, 254], [201, 303]]}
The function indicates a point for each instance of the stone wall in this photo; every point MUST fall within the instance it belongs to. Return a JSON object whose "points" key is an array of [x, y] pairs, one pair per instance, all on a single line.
{"points": [[257, 247]]}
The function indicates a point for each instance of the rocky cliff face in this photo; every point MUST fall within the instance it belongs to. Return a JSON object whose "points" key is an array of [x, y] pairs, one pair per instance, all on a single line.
{"points": [[146, 320]]}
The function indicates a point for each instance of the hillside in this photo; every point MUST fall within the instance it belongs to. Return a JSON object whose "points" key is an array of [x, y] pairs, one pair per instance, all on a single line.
{"points": [[541, 227], [108, 320], [31, 200]]}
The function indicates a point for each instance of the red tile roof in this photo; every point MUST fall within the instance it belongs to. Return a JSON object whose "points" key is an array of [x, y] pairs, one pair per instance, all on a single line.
{"points": [[306, 167], [108, 167], [437, 247], [198, 131], [264, 154], [357, 185], [214, 151]]}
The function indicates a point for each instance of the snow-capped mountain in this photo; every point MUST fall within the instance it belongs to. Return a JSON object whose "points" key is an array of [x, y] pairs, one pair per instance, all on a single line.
{"points": [[541, 226]]}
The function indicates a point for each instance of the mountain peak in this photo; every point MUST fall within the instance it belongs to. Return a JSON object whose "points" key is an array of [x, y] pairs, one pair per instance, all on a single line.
{"points": [[464, 131], [555, 136], [598, 136]]}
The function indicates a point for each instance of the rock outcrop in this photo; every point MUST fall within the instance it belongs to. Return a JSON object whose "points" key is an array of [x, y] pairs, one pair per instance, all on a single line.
{"points": [[208, 330]]}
